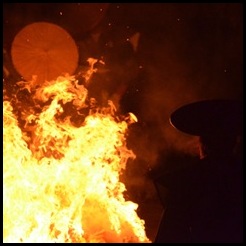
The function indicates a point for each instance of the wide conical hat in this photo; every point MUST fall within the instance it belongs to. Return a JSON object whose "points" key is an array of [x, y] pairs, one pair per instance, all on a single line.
{"points": [[44, 49], [209, 117]]}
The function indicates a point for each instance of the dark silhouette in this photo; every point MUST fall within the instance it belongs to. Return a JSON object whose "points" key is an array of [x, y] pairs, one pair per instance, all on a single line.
{"points": [[205, 200]]}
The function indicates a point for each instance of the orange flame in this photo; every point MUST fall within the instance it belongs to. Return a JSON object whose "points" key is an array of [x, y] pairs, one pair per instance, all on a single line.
{"points": [[62, 183]]}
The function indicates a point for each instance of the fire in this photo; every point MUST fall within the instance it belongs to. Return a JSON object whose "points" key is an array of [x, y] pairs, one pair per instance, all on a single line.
{"points": [[61, 182]]}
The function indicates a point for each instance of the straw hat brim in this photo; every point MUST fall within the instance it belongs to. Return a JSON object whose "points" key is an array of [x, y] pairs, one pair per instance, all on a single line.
{"points": [[209, 117]]}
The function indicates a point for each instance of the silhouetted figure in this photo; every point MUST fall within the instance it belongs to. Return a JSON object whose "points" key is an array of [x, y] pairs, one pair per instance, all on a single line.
{"points": [[205, 201]]}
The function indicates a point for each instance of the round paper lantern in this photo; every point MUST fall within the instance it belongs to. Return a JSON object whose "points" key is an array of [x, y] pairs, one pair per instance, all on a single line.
{"points": [[45, 50]]}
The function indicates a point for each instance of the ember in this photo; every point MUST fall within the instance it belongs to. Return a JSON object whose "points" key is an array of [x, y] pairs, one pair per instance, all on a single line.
{"points": [[61, 182]]}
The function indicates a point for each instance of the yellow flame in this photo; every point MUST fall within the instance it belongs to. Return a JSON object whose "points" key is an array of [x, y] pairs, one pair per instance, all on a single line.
{"points": [[62, 183]]}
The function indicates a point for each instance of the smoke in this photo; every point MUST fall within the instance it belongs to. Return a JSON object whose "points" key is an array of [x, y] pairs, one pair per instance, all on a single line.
{"points": [[186, 52], [189, 52]]}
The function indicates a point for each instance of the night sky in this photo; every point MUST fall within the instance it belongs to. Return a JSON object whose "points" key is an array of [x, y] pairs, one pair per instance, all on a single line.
{"points": [[186, 52]]}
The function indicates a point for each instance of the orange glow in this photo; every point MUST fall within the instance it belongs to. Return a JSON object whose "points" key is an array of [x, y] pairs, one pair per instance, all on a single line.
{"points": [[61, 183]]}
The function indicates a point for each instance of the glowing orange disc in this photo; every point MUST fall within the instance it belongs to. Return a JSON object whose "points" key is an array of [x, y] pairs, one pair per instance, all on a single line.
{"points": [[44, 49]]}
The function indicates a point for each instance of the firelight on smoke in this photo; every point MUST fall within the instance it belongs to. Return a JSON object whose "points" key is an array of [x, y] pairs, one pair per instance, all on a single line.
{"points": [[61, 182]]}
